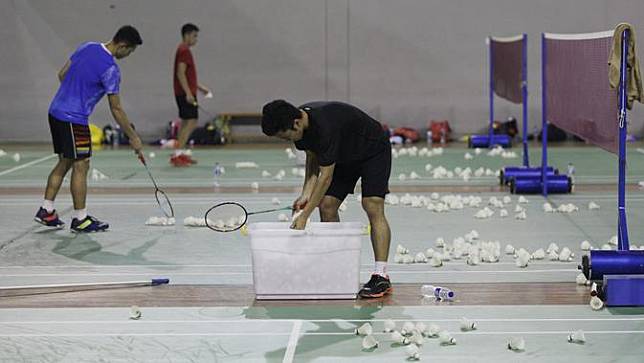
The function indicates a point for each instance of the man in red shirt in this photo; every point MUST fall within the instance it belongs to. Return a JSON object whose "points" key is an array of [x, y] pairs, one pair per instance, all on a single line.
{"points": [[185, 91]]}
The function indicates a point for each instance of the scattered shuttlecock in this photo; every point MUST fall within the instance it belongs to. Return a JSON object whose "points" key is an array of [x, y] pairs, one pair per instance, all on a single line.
{"points": [[613, 241], [421, 328], [160, 221], [509, 250], [135, 313], [606, 247], [413, 175], [254, 185], [516, 344], [369, 342], [152, 155], [585, 246], [16, 157], [402, 177], [413, 352], [436, 260], [596, 303], [577, 337], [390, 326], [364, 329], [440, 242], [507, 199], [420, 258], [522, 260], [547, 207], [417, 338], [553, 256], [246, 165], [467, 325], [195, 221], [521, 216], [407, 328], [275, 201], [433, 330], [552, 247], [581, 279], [398, 258], [398, 338], [523, 200], [2, 153], [565, 255], [282, 217], [445, 338], [468, 156], [400, 249], [593, 206], [539, 254], [429, 253], [266, 174]]}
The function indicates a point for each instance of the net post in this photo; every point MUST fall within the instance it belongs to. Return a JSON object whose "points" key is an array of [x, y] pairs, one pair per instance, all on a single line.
{"points": [[491, 61], [622, 227], [524, 89], [544, 121]]}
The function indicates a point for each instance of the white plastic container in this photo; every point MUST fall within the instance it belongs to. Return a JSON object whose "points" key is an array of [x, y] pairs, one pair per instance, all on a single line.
{"points": [[321, 262]]}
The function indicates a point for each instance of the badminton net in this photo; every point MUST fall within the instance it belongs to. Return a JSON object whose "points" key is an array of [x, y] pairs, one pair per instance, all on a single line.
{"points": [[507, 73]]}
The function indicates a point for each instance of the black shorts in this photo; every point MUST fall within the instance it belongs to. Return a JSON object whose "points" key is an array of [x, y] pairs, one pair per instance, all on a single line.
{"points": [[72, 141], [186, 110], [374, 172]]}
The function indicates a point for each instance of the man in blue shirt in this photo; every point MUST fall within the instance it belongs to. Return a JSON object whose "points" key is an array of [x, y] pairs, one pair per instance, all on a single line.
{"points": [[89, 74]]}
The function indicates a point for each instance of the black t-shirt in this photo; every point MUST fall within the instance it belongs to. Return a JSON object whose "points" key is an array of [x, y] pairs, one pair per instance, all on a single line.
{"points": [[341, 133]]}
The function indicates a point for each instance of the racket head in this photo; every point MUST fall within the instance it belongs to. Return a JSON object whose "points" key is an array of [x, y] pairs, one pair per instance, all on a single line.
{"points": [[226, 217], [164, 203]]}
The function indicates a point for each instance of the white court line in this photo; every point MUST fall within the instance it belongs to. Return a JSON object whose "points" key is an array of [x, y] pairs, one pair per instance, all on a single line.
{"points": [[540, 332], [249, 272], [334, 320], [292, 342], [33, 162]]}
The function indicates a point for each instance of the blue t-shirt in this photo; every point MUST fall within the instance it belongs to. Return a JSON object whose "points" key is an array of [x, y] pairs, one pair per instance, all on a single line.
{"points": [[93, 72]]}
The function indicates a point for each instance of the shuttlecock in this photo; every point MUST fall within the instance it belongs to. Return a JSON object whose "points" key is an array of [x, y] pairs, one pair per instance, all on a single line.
{"points": [[565, 255], [407, 328], [254, 185], [593, 206], [266, 174], [585, 246], [417, 338], [421, 328], [390, 326], [398, 258], [2, 153], [402, 177], [521, 216], [413, 175], [516, 344], [606, 247], [401, 250], [398, 338], [539, 254], [507, 199], [369, 342], [408, 259], [436, 260], [428, 167], [581, 279], [282, 217], [420, 258], [552, 247], [547, 207], [433, 330], [135, 313], [523, 200], [518, 209], [152, 155], [364, 329], [577, 337], [440, 242], [522, 261], [16, 157], [413, 352], [467, 325], [445, 338], [275, 201], [473, 259], [613, 241], [429, 253], [468, 156], [509, 250], [596, 303]]}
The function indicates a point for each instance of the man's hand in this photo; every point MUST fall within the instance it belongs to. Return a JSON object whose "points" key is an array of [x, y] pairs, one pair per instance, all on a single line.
{"points": [[300, 203], [191, 99], [136, 144], [299, 222]]}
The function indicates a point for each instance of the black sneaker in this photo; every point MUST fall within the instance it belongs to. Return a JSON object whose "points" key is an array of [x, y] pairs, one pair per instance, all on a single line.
{"points": [[378, 286], [48, 219], [89, 224]]}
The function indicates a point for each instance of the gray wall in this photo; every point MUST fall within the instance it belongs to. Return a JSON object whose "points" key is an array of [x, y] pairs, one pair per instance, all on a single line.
{"points": [[403, 61]]}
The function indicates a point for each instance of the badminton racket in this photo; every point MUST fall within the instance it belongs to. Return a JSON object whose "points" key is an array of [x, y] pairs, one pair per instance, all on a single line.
{"points": [[161, 197], [231, 216]]}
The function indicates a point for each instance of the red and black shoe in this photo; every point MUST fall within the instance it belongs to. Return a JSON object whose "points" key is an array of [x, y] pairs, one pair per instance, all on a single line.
{"points": [[378, 286], [48, 219]]}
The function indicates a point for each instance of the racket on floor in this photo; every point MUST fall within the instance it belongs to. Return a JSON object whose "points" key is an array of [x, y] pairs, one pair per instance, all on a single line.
{"points": [[231, 216], [161, 197]]}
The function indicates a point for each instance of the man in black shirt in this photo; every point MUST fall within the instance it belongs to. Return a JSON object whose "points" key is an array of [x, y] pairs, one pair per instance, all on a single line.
{"points": [[342, 144]]}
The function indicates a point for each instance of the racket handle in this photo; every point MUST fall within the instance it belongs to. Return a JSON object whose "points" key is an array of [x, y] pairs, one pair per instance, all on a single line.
{"points": [[156, 282], [142, 158]]}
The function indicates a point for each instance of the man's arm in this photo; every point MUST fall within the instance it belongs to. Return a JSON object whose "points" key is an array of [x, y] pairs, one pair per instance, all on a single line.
{"points": [[63, 71], [311, 175], [203, 89], [121, 118], [319, 189], [183, 81]]}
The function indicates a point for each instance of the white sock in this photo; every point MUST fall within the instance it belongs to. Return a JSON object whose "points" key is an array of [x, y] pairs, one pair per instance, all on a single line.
{"points": [[80, 214], [381, 268], [48, 205]]}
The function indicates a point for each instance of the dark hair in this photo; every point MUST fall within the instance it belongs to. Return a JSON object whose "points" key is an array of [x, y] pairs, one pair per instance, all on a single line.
{"points": [[188, 28], [277, 116], [129, 35]]}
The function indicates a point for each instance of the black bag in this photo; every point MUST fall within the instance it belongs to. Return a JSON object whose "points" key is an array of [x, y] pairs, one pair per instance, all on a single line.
{"points": [[206, 135]]}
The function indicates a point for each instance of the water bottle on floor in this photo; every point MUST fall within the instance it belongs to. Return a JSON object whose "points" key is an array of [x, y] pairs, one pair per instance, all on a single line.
{"points": [[428, 291], [437, 292], [445, 294], [216, 173]]}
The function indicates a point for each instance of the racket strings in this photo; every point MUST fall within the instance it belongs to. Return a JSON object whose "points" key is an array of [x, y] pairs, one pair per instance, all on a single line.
{"points": [[164, 203], [226, 217]]}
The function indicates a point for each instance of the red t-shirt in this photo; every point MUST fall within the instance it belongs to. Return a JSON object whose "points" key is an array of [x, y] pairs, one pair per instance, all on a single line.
{"points": [[183, 55]]}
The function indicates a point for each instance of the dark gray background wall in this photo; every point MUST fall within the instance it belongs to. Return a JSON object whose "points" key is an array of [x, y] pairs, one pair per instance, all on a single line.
{"points": [[403, 61]]}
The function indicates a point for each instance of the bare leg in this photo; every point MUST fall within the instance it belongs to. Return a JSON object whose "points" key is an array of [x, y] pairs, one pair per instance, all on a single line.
{"points": [[56, 177], [380, 232], [79, 182], [329, 209], [187, 127]]}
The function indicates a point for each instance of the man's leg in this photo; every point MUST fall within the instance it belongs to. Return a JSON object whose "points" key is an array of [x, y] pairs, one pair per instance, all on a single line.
{"points": [[379, 285], [187, 127], [329, 209], [56, 177], [79, 183]]}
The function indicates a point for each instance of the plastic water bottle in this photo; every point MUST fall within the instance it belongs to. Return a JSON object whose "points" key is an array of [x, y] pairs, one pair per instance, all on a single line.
{"points": [[429, 137], [428, 291], [445, 294], [437, 292], [216, 173]]}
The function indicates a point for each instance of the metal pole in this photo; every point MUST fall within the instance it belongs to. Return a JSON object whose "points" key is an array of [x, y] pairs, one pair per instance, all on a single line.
{"points": [[491, 61], [524, 88], [622, 228], [544, 121]]}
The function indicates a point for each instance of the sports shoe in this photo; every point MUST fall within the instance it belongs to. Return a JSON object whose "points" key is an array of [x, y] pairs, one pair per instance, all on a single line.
{"points": [[48, 219], [88, 224], [378, 286], [179, 161]]}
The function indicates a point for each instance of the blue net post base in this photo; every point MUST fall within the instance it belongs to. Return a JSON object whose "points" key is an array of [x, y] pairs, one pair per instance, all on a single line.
{"points": [[510, 172], [601, 263], [557, 184], [484, 141], [623, 290]]}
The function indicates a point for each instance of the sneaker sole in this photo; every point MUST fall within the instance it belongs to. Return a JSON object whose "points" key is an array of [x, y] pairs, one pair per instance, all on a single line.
{"points": [[372, 296], [81, 231], [40, 221]]}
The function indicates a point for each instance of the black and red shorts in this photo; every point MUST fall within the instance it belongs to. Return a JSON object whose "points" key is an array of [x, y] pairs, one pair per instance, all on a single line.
{"points": [[72, 141]]}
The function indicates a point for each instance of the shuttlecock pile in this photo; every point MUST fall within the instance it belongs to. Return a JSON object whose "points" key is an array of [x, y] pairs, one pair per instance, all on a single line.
{"points": [[135, 313], [577, 337], [516, 344], [246, 165], [196, 222], [160, 221]]}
